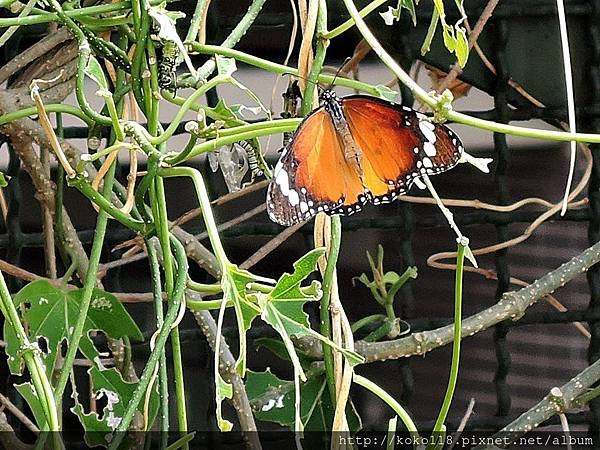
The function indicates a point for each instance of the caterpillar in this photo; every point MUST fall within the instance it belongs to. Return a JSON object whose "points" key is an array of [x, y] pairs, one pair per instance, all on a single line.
{"points": [[253, 162], [168, 65]]}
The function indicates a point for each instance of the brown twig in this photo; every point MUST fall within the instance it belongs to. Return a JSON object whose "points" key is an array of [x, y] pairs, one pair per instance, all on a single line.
{"points": [[19, 414], [270, 246], [37, 50], [511, 306], [240, 400]]}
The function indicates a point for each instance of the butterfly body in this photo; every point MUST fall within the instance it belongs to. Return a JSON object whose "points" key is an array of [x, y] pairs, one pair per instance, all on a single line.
{"points": [[354, 150]]}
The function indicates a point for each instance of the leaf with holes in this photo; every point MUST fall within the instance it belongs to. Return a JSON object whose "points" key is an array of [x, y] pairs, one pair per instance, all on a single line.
{"points": [[51, 312], [94, 70], [114, 395], [272, 400], [283, 308]]}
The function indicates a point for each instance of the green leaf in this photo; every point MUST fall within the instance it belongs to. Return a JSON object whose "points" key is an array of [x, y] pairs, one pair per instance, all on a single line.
{"points": [[51, 312], [273, 401], [234, 289], [93, 69], [425, 47], [225, 66], [28, 393], [109, 386], [410, 6], [3, 180], [288, 285], [462, 47], [449, 38], [386, 93]]}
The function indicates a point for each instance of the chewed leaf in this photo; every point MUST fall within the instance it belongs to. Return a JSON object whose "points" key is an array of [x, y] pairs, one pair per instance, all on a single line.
{"points": [[115, 394], [223, 390], [225, 66], [51, 313], [167, 32], [95, 72], [288, 285], [272, 400]]}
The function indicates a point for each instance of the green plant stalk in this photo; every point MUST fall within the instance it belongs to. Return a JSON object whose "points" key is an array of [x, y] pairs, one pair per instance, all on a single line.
{"points": [[345, 26], [35, 365], [53, 107], [366, 321], [163, 236], [387, 398], [278, 68], [433, 102], [332, 257], [89, 284], [380, 332], [11, 30], [206, 305], [204, 288], [205, 206], [158, 308], [458, 284], [311, 84], [86, 189], [202, 90], [236, 34], [258, 129], [163, 335], [193, 29], [46, 17], [114, 117], [85, 52]]}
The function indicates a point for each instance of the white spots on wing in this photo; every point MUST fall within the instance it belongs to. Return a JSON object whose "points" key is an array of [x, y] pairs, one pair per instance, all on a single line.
{"points": [[428, 130], [303, 207], [416, 149], [419, 164], [293, 197], [278, 168], [303, 190], [283, 181], [427, 163], [421, 116], [429, 149]]}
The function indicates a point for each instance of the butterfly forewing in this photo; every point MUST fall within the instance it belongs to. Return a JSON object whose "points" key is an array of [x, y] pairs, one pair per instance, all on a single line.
{"points": [[312, 174]]}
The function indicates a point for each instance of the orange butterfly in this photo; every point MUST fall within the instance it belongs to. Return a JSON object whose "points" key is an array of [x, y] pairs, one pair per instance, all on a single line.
{"points": [[353, 150]]}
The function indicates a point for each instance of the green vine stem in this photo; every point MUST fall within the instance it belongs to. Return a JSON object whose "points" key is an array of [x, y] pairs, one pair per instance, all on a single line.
{"points": [[161, 340], [437, 105], [164, 239], [88, 285], [163, 381], [332, 257], [439, 427], [31, 355], [350, 22], [388, 399]]}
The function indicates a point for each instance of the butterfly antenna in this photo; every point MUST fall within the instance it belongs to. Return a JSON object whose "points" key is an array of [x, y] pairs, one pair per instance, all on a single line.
{"points": [[340, 70]]}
